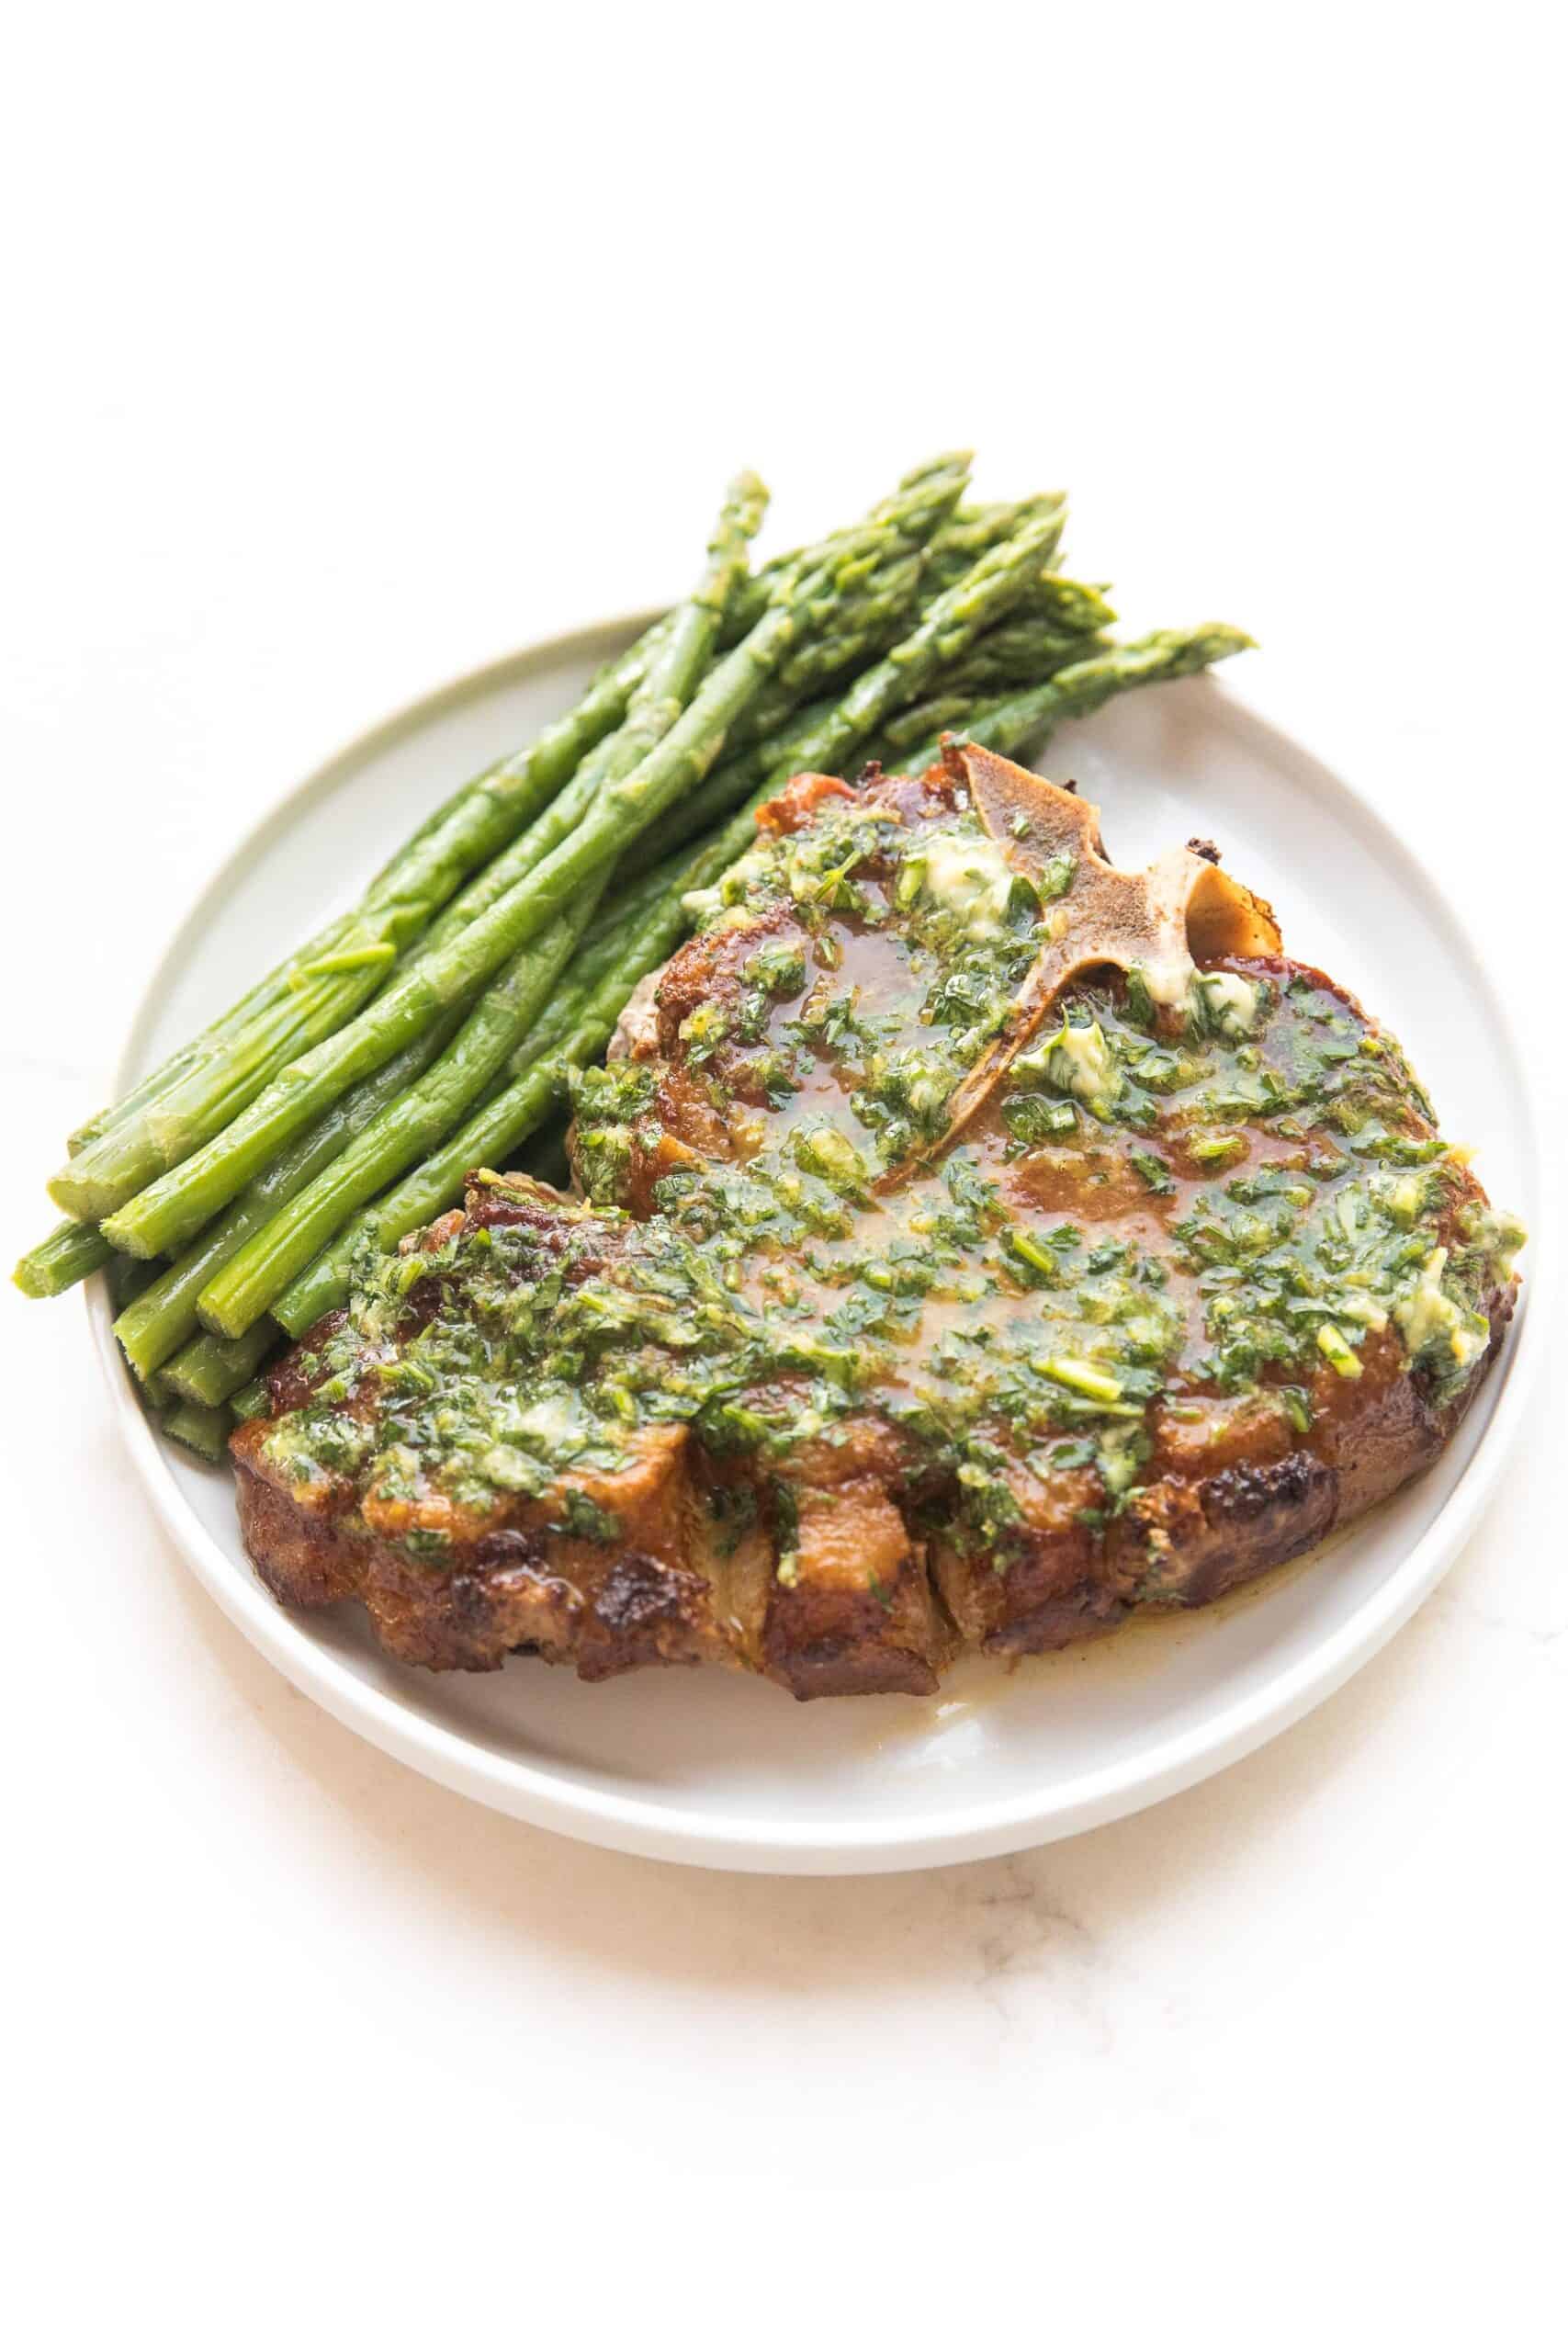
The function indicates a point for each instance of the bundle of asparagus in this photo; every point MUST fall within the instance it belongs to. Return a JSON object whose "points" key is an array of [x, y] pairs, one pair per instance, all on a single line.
{"points": [[433, 1029]]}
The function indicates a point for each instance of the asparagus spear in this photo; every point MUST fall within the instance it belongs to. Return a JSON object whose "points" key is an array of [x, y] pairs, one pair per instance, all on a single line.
{"points": [[1018, 721], [684, 646], [946, 556], [733, 782], [68, 1255], [210, 1369], [127, 1277], [1054, 621], [241, 1289], [873, 621], [161, 1318], [159, 1081], [246, 1403], [557, 752], [967, 534], [961, 551], [953, 529], [201, 1428], [975, 683], [946, 628], [1016, 654], [902, 741], [169, 1211], [974, 528], [1056, 603]]}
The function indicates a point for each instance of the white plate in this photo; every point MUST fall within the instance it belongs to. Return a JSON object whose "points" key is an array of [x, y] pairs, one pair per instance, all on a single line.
{"points": [[714, 1767]]}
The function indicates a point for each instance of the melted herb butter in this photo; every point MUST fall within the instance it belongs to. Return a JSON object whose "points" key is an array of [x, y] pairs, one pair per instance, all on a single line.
{"points": [[1075, 1060], [967, 879], [1224, 1002], [1437, 1326]]}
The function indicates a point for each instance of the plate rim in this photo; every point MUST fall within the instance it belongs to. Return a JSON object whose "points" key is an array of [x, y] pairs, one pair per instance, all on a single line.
{"points": [[665, 1831]]}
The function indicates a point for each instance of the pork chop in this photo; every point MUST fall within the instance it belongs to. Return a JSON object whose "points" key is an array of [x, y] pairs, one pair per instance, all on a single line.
{"points": [[974, 1244]]}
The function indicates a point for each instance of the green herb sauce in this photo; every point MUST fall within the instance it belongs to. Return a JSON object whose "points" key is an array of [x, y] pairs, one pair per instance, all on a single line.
{"points": [[1234, 1199]]}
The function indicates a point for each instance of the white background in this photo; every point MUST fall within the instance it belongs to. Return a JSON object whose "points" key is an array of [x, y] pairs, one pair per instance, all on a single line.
{"points": [[346, 349]]}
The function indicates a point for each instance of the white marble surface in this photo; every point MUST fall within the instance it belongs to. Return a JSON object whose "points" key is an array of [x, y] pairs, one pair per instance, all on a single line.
{"points": [[340, 364]]}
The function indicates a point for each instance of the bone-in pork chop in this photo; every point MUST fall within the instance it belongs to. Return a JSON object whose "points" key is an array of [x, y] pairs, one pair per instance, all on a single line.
{"points": [[975, 1244]]}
